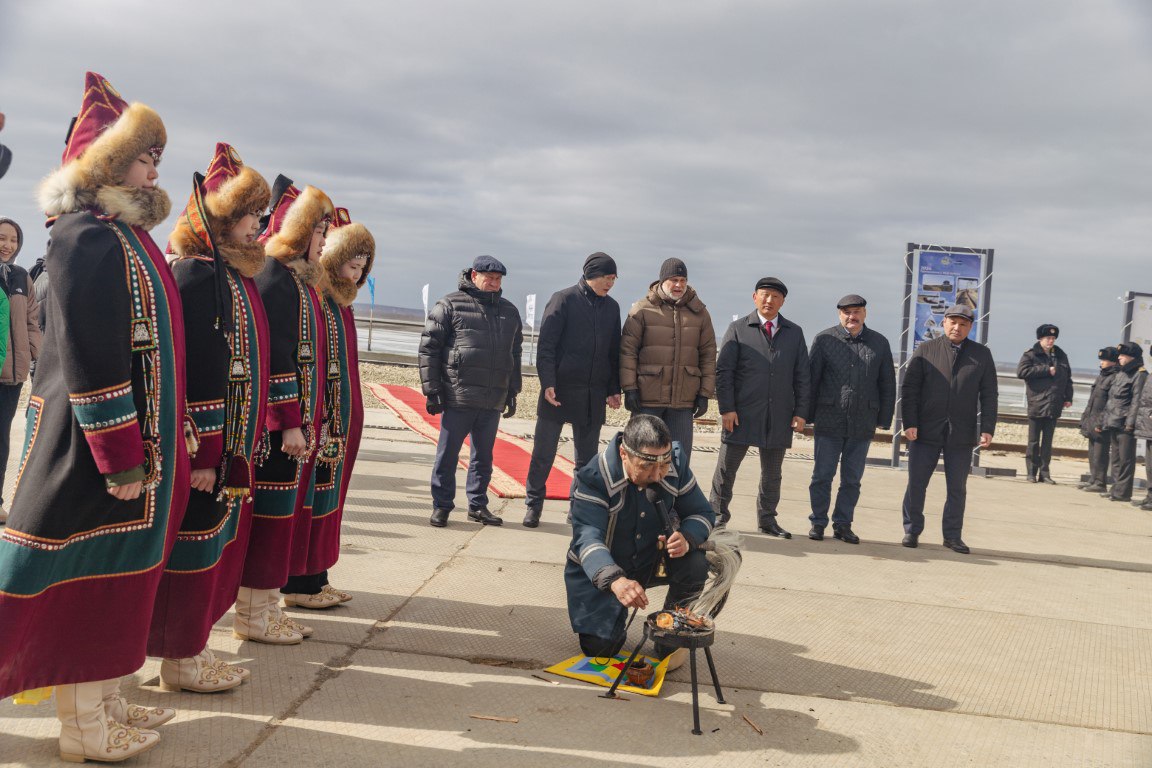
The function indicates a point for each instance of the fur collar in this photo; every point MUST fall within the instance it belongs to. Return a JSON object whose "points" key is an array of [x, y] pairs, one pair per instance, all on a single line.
{"points": [[341, 289], [138, 207], [245, 258], [309, 273]]}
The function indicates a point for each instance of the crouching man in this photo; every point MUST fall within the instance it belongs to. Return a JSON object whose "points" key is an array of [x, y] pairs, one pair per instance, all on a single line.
{"points": [[617, 534]]}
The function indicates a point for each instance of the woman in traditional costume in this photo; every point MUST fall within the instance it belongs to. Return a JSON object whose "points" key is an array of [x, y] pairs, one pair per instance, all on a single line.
{"points": [[103, 480], [282, 516], [226, 337], [348, 254]]}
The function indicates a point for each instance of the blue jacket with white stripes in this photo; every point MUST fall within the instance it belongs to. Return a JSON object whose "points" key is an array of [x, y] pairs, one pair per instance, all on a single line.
{"points": [[615, 532]]}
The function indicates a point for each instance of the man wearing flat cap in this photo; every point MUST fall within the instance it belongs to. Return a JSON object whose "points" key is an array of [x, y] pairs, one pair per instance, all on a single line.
{"points": [[668, 354], [762, 390], [948, 402], [578, 360], [1048, 378], [470, 372], [853, 393]]}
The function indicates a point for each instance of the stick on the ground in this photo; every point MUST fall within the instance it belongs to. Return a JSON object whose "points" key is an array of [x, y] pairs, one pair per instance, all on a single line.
{"points": [[496, 719], [755, 727]]}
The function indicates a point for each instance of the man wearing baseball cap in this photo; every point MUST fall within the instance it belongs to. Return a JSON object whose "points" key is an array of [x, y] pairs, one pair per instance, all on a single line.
{"points": [[1048, 378], [853, 393], [948, 404]]}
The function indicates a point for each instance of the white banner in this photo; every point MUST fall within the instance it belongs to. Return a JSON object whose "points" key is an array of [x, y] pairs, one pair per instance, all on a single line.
{"points": [[1138, 322], [424, 295], [530, 311]]}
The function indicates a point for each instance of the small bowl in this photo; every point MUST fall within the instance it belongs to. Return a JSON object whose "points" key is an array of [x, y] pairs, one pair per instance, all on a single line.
{"points": [[639, 673]]}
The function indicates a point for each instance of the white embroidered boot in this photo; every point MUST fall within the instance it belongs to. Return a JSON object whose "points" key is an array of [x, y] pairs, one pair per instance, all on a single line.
{"points": [[199, 674], [86, 731], [132, 715], [242, 672], [341, 594], [257, 619], [288, 621], [316, 602]]}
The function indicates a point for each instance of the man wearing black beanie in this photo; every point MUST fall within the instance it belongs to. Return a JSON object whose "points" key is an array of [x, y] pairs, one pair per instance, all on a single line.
{"points": [[578, 360], [668, 354]]}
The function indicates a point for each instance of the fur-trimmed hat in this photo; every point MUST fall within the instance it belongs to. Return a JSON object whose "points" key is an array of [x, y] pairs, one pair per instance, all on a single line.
{"points": [[295, 214], [1111, 354], [103, 142], [347, 240], [1131, 349], [230, 191], [1047, 330]]}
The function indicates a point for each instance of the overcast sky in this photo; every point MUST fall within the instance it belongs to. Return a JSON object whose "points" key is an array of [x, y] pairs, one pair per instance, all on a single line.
{"points": [[805, 139]]}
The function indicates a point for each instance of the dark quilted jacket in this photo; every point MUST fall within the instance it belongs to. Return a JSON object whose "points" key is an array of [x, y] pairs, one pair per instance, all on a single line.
{"points": [[1092, 418], [853, 383], [1144, 414], [1124, 395], [470, 349], [1046, 393]]}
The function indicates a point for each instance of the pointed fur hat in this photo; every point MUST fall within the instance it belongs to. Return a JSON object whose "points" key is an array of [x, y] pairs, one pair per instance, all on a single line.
{"points": [[295, 213], [105, 138], [347, 240], [229, 192]]}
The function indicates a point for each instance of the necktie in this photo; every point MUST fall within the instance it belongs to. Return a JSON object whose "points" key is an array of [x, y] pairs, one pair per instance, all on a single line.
{"points": [[768, 330]]}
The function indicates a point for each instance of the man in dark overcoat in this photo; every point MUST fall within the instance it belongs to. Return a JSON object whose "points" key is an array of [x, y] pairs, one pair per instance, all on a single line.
{"points": [[948, 405], [470, 372], [578, 360], [1047, 375], [762, 390], [853, 393]]}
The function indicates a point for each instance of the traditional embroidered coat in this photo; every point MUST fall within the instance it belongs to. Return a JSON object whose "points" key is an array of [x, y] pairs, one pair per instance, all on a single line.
{"points": [[282, 517], [615, 527], [227, 392], [78, 568], [347, 406]]}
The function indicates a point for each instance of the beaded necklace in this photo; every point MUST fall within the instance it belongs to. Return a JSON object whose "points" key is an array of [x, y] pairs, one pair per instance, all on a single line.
{"points": [[144, 342], [305, 362], [235, 470], [332, 431]]}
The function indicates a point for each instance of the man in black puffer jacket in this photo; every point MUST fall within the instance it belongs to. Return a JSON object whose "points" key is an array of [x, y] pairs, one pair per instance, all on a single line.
{"points": [[1092, 422], [470, 372], [1120, 418], [1048, 378]]}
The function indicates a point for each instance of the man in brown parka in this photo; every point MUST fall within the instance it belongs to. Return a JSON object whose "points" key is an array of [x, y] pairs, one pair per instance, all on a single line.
{"points": [[668, 354], [23, 337]]}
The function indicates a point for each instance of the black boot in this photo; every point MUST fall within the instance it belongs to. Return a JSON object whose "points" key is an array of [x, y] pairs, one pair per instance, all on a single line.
{"points": [[531, 518]]}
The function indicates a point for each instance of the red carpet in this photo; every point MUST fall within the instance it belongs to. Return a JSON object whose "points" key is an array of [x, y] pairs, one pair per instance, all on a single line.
{"points": [[511, 455]]}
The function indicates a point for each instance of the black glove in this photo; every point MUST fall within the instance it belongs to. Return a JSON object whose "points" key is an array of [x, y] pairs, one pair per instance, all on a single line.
{"points": [[632, 400], [701, 406], [510, 407], [434, 405]]}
